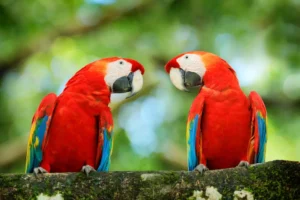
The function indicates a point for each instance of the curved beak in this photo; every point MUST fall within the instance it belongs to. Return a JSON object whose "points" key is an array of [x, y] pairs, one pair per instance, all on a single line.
{"points": [[183, 80], [190, 79], [123, 84]]}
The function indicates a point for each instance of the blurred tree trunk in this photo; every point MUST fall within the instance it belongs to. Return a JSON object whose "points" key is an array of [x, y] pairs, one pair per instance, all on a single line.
{"points": [[271, 180]]}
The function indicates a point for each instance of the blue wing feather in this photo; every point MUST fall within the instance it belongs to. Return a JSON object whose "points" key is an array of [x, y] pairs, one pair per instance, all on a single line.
{"points": [[40, 123], [191, 140], [35, 145], [258, 141], [262, 129], [106, 151]]}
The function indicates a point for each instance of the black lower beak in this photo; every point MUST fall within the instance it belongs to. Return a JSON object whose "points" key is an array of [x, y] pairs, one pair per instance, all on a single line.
{"points": [[191, 79], [123, 84]]}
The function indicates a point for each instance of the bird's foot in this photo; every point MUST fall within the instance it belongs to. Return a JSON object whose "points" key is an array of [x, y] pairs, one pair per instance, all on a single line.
{"points": [[87, 169], [244, 164], [201, 168], [39, 170]]}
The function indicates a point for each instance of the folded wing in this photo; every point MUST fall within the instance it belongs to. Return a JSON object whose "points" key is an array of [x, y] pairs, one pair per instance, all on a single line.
{"points": [[39, 127], [105, 141], [257, 145], [193, 133]]}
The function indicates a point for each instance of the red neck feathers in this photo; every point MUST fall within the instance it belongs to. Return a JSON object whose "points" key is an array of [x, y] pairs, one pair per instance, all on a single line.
{"points": [[89, 81], [219, 75]]}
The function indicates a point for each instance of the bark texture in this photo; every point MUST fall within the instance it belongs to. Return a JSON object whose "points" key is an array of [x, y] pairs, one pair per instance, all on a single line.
{"points": [[271, 180]]}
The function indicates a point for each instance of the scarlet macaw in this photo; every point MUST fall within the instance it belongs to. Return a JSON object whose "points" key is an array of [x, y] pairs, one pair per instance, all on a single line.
{"points": [[224, 128], [73, 131]]}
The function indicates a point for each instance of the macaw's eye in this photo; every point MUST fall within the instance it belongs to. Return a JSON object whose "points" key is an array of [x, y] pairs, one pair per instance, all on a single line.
{"points": [[186, 57], [121, 62]]}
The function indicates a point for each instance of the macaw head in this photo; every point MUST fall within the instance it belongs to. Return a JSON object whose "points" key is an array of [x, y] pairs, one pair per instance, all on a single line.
{"points": [[199, 68], [123, 75], [110, 75]]}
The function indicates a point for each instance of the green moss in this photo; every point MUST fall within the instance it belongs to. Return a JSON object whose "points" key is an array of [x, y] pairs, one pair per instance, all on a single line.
{"points": [[271, 180]]}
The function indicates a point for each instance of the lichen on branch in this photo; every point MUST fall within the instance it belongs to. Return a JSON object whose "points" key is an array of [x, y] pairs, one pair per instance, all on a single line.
{"points": [[271, 180]]}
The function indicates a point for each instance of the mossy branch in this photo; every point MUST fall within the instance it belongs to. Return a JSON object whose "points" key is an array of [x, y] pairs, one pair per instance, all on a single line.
{"points": [[271, 180]]}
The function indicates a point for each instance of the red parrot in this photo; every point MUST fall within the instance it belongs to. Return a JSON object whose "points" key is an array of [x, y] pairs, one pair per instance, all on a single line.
{"points": [[225, 128], [73, 131]]}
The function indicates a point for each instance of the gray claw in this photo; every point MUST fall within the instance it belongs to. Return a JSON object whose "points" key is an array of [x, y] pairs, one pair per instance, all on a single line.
{"points": [[244, 164], [39, 170], [201, 168], [87, 169]]}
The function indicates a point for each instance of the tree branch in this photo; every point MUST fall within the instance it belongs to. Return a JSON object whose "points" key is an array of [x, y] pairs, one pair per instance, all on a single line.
{"points": [[23, 54], [271, 180]]}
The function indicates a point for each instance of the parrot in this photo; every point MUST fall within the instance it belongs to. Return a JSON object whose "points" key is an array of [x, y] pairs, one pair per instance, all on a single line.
{"points": [[73, 131], [225, 128]]}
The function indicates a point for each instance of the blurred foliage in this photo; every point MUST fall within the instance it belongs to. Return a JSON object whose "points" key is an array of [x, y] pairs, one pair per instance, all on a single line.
{"points": [[43, 43]]}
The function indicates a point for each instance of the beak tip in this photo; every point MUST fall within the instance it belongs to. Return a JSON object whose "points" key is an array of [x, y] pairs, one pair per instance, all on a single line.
{"points": [[185, 89], [131, 95]]}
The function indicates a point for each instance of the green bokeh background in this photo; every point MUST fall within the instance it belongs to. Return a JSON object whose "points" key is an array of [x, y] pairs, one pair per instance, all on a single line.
{"points": [[43, 43]]}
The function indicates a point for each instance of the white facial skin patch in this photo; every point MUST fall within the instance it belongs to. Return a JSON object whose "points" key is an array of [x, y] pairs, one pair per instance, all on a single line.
{"points": [[120, 68], [176, 78], [192, 63], [137, 82], [187, 62], [116, 70]]}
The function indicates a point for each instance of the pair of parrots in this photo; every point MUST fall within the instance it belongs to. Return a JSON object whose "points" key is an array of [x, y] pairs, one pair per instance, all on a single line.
{"points": [[73, 131]]}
